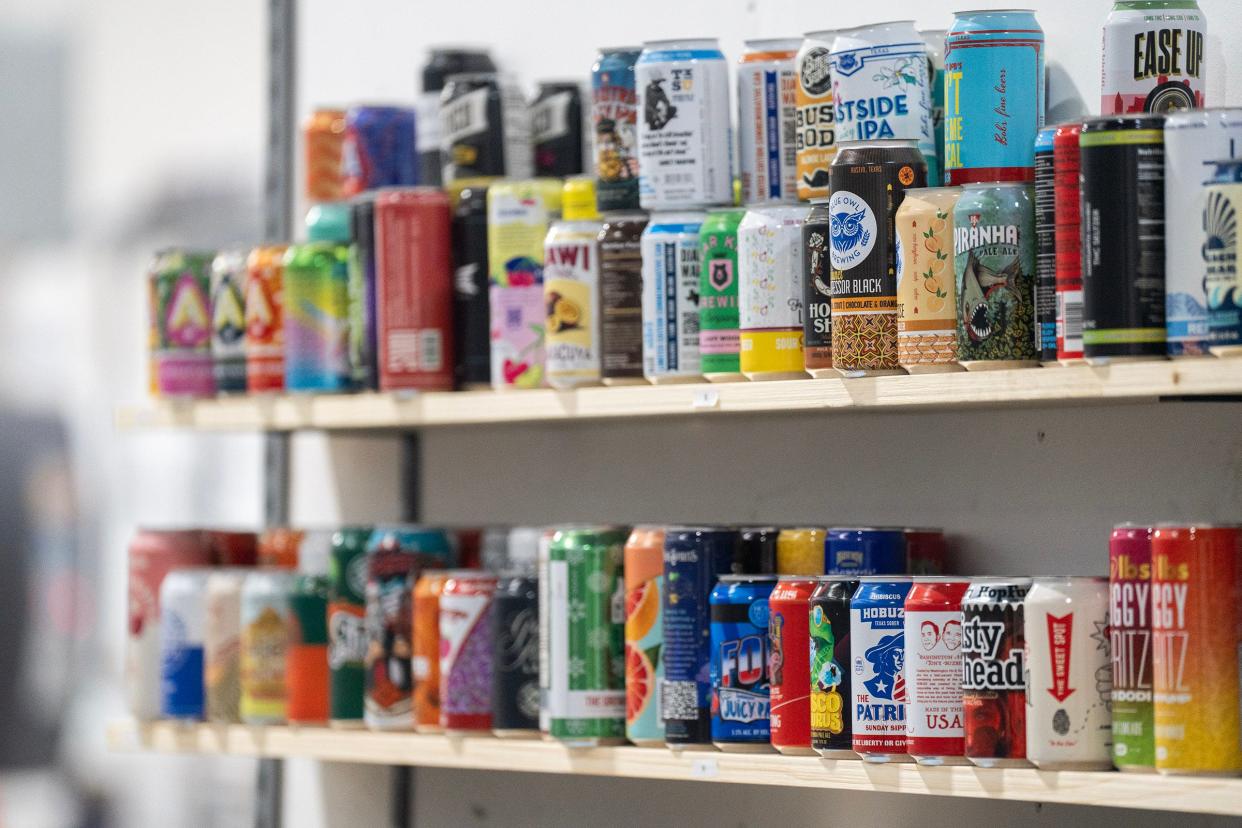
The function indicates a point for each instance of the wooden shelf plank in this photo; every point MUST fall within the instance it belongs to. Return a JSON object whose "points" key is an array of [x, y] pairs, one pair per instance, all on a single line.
{"points": [[1116, 790]]}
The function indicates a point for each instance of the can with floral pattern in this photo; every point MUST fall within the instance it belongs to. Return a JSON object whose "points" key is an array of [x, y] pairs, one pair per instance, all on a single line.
{"points": [[769, 253]]}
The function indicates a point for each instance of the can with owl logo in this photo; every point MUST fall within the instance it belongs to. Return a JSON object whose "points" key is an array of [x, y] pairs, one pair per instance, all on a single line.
{"points": [[869, 181]]}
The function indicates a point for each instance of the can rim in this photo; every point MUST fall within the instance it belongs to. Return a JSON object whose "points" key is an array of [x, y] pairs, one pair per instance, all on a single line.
{"points": [[895, 579], [1132, 525], [881, 24], [820, 34], [898, 529], [991, 11], [664, 41], [941, 579], [770, 42], [1094, 579], [1000, 579], [814, 579], [759, 577]]}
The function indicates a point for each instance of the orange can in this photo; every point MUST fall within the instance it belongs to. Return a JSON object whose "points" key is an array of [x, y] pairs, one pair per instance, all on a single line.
{"points": [[265, 319], [800, 551], [644, 634], [279, 547], [306, 659], [427, 592], [230, 548], [324, 137]]}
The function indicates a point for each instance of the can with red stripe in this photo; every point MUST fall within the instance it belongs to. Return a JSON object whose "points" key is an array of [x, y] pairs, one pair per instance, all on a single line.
{"points": [[878, 647], [790, 674], [1066, 164], [935, 734]]}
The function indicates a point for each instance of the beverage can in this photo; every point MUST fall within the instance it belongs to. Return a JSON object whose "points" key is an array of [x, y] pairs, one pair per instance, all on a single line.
{"points": [[323, 139], [542, 562], [264, 646], [757, 549], [817, 291], [317, 304], [1153, 57], [994, 672], [789, 647], [279, 547], [767, 78], [926, 293], [307, 673], [672, 271], [347, 638], [935, 734], [926, 551], [442, 62], [718, 296], [800, 551], [515, 655], [466, 650], [770, 315], [181, 288], [425, 661], [684, 143], [229, 547], [877, 635], [643, 565], [1129, 625], [363, 344], [832, 717], [222, 645], [621, 298], [1067, 190], [1220, 257], [471, 319], [558, 129], [1046, 245], [865, 551], [265, 319], [228, 321], [935, 41], [183, 622], [815, 144], [571, 289], [378, 149], [614, 110], [741, 699], [484, 127]]}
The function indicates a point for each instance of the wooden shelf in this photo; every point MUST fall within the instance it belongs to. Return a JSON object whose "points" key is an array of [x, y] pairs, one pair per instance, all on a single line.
{"points": [[1114, 790]]}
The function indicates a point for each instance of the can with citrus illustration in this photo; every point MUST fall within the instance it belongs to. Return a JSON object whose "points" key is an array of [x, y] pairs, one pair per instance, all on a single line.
{"points": [[644, 635], [926, 294]]}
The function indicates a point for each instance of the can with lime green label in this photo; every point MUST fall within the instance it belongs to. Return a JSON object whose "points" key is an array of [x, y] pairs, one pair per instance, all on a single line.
{"points": [[718, 314]]}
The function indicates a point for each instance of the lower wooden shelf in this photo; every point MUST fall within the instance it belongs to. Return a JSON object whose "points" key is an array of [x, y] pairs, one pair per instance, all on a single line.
{"points": [[1114, 790]]}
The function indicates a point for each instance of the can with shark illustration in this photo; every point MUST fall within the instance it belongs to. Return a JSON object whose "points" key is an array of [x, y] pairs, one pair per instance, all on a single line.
{"points": [[994, 268]]}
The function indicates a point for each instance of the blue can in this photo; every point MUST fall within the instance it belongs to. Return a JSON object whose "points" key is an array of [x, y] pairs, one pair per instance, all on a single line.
{"points": [[878, 670], [740, 681], [694, 559], [183, 623], [865, 551], [994, 96], [614, 115], [380, 148]]}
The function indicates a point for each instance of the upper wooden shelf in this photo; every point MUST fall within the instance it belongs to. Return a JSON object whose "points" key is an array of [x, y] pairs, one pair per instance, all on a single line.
{"points": [[1123, 382]]}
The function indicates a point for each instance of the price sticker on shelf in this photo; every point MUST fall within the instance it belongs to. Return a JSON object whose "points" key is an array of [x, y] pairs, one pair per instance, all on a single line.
{"points": [[706, 398], [704, 768]]}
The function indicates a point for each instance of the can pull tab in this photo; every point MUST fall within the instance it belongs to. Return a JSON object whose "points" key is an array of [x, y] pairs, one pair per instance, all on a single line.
{"points": [[706, 398]]}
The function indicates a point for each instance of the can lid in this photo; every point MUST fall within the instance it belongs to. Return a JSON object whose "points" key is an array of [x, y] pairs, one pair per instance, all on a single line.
{"points": [[329, 223], [748, 579], [578, 199]]}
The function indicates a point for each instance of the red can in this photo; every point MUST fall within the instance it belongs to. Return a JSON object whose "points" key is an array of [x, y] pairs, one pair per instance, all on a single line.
{"points": [[935, 723], [1129, 629], [1066, 161], [232, 548], [414, 289], [926, 552], [279, 547], [790, 666], [264, 302]]}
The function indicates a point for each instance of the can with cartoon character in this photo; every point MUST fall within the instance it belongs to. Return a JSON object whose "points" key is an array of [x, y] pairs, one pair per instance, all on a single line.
{"points": [[614, 111], [934, 731], [878, 668]]}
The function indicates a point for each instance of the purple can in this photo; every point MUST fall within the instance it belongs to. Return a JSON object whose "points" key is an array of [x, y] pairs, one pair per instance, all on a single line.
{"points": [[466, 650], [379, 149], [180, 289]]}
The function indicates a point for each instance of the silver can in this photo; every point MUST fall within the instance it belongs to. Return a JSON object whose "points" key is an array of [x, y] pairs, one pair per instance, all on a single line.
{"points": [[770, 298], [1152, 59], [671, 274], [766, 113], [183, 619]]}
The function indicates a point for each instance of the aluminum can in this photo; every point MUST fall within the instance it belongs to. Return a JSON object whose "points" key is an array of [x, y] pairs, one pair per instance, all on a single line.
{"points": [[181, 291], [466, 651], [757, 549], [515, 656], [518, 216], [995, 96], [869, 181], [865, 551], [523, 547], [1046, 246], [347, 636], [471, 321], [317, 304], [644, 635], [228, 321], [484, 128], [1123, 238], [1196, 606], [926, 294], [935, 734], [1193, 141], [614, 111], [800, 552], [817, 291], [935, 40], [1153, 57], [264, 646], [1220, 258], [587, 636], [363, 345], [1067, 190], [183, 622], [558, 122], [621, 298], [1129, 626], [672, 270], [307, 673], [378, 149], [789, 644], [279, 547], [926, 551], [816, 141], [571, 289], [265, 319], [832, 717], [994, 671], [769, 247], [741, 685], [878, 636], [414, 301], [694, 559], [425, 664], [229, 547], [718, 296], [323, 139], [684, 144], [542, 564], [222, 645], [441, 64], [396, 556], [994, 268], [767, 78]]}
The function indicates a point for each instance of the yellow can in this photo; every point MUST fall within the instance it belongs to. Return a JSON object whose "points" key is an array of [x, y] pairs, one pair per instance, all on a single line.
{"points": [[800, 551], [815, 120], [926, 290]]}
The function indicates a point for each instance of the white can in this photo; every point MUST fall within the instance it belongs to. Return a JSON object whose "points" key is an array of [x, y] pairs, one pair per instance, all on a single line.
{"points": [[684, 143], [183, 619], [766, 120], [571, 295], [769, 292], [1192, 141], [1069, 674], [671, 274], [1153, 59], [816, 141], [880, 85], [222, 645], [935, 731]]}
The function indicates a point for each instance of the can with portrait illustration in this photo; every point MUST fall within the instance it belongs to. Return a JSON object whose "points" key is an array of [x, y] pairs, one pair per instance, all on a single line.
{"points": [[935, 734], [817, 291], [994, 672], [815, 145], [614, 112], [878, 647], [832, 718], [766, 113], [769, 244], [718, 296], [926, 294], [789, 645], [672, 271]]}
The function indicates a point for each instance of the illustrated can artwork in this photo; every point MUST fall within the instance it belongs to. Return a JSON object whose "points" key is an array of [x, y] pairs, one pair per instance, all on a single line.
{"points": [[571, 290], [182, 296], [515, 654], [1222, 201], [926, 293], [935, 733], [264, 646], [769, 242], [719, 337], [265, 319], [817, 291], [878, 650], [741, 697], [228, 321], [832, 733], [766, 112], [994, 672], [614, 108], [1129, 625], [816, 137], [672, 272], [1153, 57], [644, 635]]}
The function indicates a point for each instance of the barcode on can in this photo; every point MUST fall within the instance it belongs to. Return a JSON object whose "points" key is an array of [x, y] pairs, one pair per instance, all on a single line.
{"points": [[431, 349], [1069, 320], [680, 700]]}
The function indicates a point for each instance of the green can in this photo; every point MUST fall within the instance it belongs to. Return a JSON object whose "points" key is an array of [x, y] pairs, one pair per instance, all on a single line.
{"points": [[180, 290], [586, 652], [718, 309], [316, 304], [994, 265], [347, 637], [307, 680]]}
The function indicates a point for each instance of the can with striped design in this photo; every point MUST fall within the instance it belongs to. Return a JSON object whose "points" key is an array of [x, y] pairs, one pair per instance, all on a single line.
{"points": [[766, 114]]}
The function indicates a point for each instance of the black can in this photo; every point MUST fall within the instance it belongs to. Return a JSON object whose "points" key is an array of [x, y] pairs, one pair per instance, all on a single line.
{"points": [[832, 723], [471, 332], [1045, 247], [621, 298], [484, 128], [817, 291], [515, 654], [557, 118], [441, 64], [363, 345], [1123, 237], [757, 551]]}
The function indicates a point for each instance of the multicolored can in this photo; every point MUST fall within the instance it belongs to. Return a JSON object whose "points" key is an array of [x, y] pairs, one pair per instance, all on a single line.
{"points": [[484, 128], [1046, 246], [1153, 57], [571, 289], [1196, 614], [586, 596], [865, 551], [769, 251], [869, 181], [817, 291], [684, 149], [1123, 238], [346, 617], [926, 551], [816, 142], [995, 96], [1067, 190], [1222, 199], [614, 110], [425, 664], [789, 646], [994, 267], [379, 149], [800, 552], [317, 304], [766, 119], [466, 651], [621, 298], [994, 672], [181, 290], [515, 656], [644, 635], [228, 321], [557, 121], [265, 319], [935, 734], [926, 294], [672, 271], [264, 646], [307, 674], [832, 717], [1129, 626], [323, 139], [183, 622], [741, 698], [363, 342], [222, 645], [935, 38], [878, 636], [718, 296], [471, 320]]}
